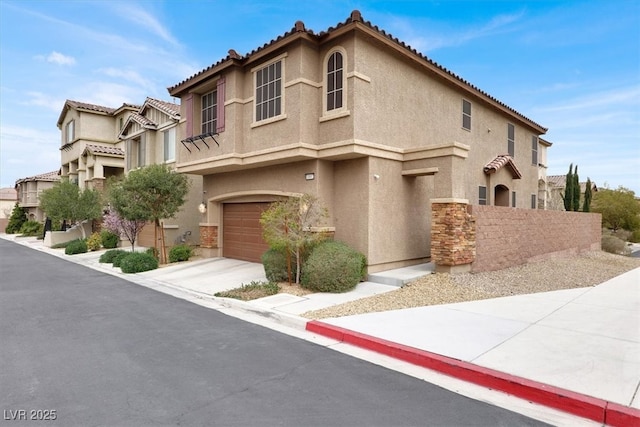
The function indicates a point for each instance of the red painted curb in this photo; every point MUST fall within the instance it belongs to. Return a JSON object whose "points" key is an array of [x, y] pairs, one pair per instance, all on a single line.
{"points": [[555, 397]]}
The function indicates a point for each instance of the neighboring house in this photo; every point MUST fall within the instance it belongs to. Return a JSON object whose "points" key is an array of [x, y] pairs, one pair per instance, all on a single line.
{"points": [[91, 151], [557, 185], [149, 137], [356, 117], [543, 181], [29, 190], [8, 199]]}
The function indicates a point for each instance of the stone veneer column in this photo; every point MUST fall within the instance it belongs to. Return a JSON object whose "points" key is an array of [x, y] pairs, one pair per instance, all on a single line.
{"points": [[453, 235], [208, 236]]}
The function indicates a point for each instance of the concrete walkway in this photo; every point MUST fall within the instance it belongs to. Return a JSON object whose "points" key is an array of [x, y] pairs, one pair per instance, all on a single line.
{"points": [[576, 350]]}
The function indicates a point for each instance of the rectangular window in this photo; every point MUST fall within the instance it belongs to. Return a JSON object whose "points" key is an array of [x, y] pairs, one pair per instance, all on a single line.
{"points": [[70, 131], [210, 112], [533, 201], [511, 139], [534, 150], [269, 91], [466, 114], [513, 199], [170, 145], [482, 195]]}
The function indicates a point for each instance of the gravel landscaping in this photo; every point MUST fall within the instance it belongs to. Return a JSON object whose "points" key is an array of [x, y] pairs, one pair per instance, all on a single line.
{"points": [[585, 270]]}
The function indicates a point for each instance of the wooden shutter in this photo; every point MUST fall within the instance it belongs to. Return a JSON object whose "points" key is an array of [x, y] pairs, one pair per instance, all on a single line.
{"points": [[220, 105], [188, 106]]}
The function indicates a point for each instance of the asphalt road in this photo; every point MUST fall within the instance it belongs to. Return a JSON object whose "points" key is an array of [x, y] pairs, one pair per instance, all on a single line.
{"points": [[83, 348]]}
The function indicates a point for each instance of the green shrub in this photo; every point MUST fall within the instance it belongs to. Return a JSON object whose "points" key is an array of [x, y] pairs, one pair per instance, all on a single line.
{"points": [[31, 228], [613, 245], [274, 262], [137, 262], [333, 267], [94, 242], [62, 245], [77, 246], [635, 236], [110, 255], [180, 253], [117, 260], [109, 239], [152, 251], [17, 218]]}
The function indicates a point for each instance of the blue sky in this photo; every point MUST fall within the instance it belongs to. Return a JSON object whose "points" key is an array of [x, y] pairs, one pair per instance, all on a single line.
{"points": [[572, 66]]}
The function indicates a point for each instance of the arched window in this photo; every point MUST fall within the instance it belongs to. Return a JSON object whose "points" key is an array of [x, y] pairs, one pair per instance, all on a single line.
{"points": [[335, 83]]}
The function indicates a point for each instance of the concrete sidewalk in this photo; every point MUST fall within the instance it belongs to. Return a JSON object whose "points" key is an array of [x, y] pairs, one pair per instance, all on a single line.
{"points": [[576, 350]]}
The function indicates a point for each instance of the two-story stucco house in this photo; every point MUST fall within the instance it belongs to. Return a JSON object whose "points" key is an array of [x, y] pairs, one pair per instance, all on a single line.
{"points": [[91, 151], [359, 119], [29, 190], [149, 137]]}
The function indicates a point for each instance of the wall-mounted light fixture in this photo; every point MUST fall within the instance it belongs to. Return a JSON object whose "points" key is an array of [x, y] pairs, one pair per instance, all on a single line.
{"points": [[376, 176], [310, 176], [202, 207]]}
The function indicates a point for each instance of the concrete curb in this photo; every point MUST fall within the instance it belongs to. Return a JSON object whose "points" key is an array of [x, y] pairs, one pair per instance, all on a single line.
{"points": [[592, 408]]}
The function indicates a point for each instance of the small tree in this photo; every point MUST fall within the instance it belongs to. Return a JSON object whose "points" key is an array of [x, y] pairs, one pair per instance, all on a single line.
{"points": [[17, 218], [586, 206], [66, 201], [568, 190], [120, 226], [287, 225], [575, 205], [619, 208], [151, 193]]}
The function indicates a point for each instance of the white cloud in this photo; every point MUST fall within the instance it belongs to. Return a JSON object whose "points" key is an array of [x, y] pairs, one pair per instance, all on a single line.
{"points": [[40, 99], [439, 38], [60, 59], [141, 17], [127, 75]]}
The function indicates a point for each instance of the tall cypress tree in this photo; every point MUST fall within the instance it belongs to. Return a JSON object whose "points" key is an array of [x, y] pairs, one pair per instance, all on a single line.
{"points": [[586, 207], [575, 205], [568, 190]]}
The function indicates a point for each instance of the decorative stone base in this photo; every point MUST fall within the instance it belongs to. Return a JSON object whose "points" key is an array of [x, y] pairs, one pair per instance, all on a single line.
{"points": [[453, 235], [208, 236]]}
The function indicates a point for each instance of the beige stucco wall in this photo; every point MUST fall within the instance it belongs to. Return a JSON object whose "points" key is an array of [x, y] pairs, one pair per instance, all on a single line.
{"points": [[397, 117]]}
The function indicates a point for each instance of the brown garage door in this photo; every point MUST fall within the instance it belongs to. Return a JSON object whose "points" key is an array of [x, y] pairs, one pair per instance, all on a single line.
{"points": [[242, 232]]}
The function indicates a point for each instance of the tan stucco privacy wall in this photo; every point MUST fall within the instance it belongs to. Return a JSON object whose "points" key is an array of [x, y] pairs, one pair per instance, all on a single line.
{"points": [[52, 238], [506, 236]]}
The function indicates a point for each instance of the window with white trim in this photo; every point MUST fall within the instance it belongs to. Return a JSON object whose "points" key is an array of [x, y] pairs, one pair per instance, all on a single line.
{"points": [[466, 114], [209, 104], [170, 144], [268, 99], [511, 139], [513, 199], [335, 83], [533, 201], [482, 195], [70, 131], [534, 150]]}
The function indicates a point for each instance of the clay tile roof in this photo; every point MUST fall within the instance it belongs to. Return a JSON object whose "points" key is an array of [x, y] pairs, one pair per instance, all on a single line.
{"points": [[356, 18], [47, 176], [142, 120], [501, 161], [90, 107], [168, 107], [8, 194], [103, 149], [557, 180]]}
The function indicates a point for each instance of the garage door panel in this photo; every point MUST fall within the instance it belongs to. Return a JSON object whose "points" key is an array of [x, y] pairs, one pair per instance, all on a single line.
{"points": [[242, 232]]}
